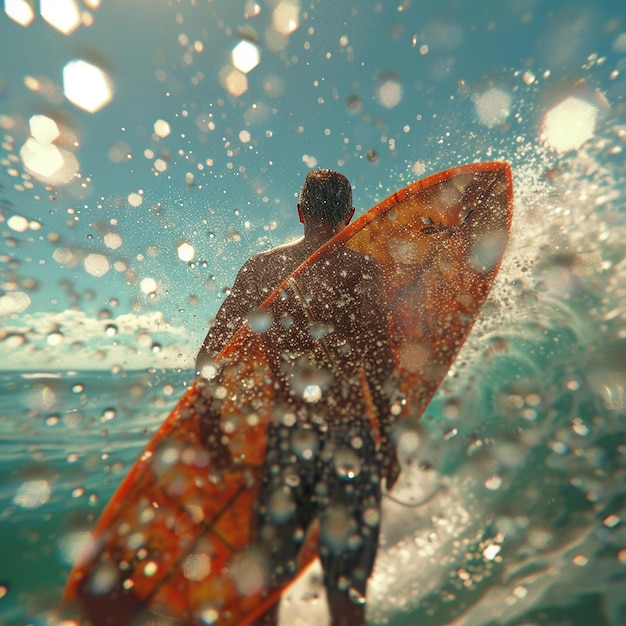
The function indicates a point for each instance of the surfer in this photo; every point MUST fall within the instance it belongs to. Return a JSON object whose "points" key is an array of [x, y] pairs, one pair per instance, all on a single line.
{"points": [[325, 208], [335, 366]]}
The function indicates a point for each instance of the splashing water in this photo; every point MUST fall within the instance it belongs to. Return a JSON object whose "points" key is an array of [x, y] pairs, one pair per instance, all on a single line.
{"points": [[136, 178]]}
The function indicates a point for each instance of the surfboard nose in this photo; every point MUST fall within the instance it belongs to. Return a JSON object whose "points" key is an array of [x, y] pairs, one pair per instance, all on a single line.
{"points": [[450, 203]]}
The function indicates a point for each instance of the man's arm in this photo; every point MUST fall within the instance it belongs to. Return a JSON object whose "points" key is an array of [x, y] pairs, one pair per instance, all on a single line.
{"points": [[242, 299]]}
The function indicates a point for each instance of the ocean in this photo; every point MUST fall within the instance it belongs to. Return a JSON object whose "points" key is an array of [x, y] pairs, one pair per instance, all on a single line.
{"points": [[510, 509], [149, 148], [66, 440]]}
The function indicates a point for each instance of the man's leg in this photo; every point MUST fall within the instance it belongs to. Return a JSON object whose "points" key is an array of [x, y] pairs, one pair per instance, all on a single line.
{"points": [[286, 509], [343, 611], [350, 499]]}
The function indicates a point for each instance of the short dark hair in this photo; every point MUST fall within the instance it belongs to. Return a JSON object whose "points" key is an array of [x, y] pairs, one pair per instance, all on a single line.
{"points": [[326, 196]]}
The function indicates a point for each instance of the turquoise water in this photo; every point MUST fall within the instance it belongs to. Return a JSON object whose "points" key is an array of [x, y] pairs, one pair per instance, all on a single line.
{"points": [[519, 521], [113, 263], [66, 441]]}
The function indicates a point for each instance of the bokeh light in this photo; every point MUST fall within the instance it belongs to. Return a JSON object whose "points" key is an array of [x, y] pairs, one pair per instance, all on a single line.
{"points": [[41, 159], [43, 128], [162, 128], [64, 15], [186, 251], [286, 17], [19, 11], [86, 86], [569, 124], [44, 160], [493, 106], [97, 264], [234, 81], [245, 56], [32, 494], [14, 302], [148, 285], [389, 93]]}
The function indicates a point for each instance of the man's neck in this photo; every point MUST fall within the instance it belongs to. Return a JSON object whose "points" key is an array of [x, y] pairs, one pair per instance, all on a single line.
{"points": [[318, 234]]}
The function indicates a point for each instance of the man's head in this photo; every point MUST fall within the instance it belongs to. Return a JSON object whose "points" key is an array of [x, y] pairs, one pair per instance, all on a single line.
{"points": [[326, 196]]}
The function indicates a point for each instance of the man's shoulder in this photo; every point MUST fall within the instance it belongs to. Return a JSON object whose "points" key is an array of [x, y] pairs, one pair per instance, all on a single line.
{"points": [[358, 259], [279, 254], [278, 262], [269, 268]]}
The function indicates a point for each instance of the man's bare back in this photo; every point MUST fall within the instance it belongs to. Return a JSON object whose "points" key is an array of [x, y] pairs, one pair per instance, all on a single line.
{"points": [[255, 282]]}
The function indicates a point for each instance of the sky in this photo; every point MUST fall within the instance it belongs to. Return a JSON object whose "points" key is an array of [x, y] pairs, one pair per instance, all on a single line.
{"points": [[149, 147]]}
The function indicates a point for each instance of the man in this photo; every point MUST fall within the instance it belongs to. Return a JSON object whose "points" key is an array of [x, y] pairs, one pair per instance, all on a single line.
{"points": [[325, 208], [334, 365]]}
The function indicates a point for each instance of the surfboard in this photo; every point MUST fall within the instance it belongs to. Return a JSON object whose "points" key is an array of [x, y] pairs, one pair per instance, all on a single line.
{"points": [[175, 543]]}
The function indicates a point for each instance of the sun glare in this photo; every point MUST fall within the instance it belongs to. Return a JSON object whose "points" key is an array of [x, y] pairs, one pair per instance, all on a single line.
{"points": [[569, 124], [86, 86]]}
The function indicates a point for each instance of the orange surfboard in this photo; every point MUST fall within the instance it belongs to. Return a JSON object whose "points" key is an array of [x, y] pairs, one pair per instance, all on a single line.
{"points": [[173, 544]]}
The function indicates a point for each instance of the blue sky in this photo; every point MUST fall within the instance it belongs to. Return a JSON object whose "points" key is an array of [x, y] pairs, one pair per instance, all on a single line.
{"points": [[384, 91]]}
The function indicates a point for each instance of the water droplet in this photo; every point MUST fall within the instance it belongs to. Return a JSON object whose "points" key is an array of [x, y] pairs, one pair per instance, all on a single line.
{"points": [[107, 415], [32, 494], [355, 104], [150, 569], [52, 420], [335, 528], [209, 617], [318, 331], [148, 286], [309, 381], [186, 251], [260, 320], [14, 340], [249, 572], [55, 338], [292, 480], [281, 506], [491, 551], [104, 578], [312, 393], [96, 264], [493, 483], [305, 444], [450, 433], [408, 442], [347, 463], [371, 517], [356, 596], [389, 92]]}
